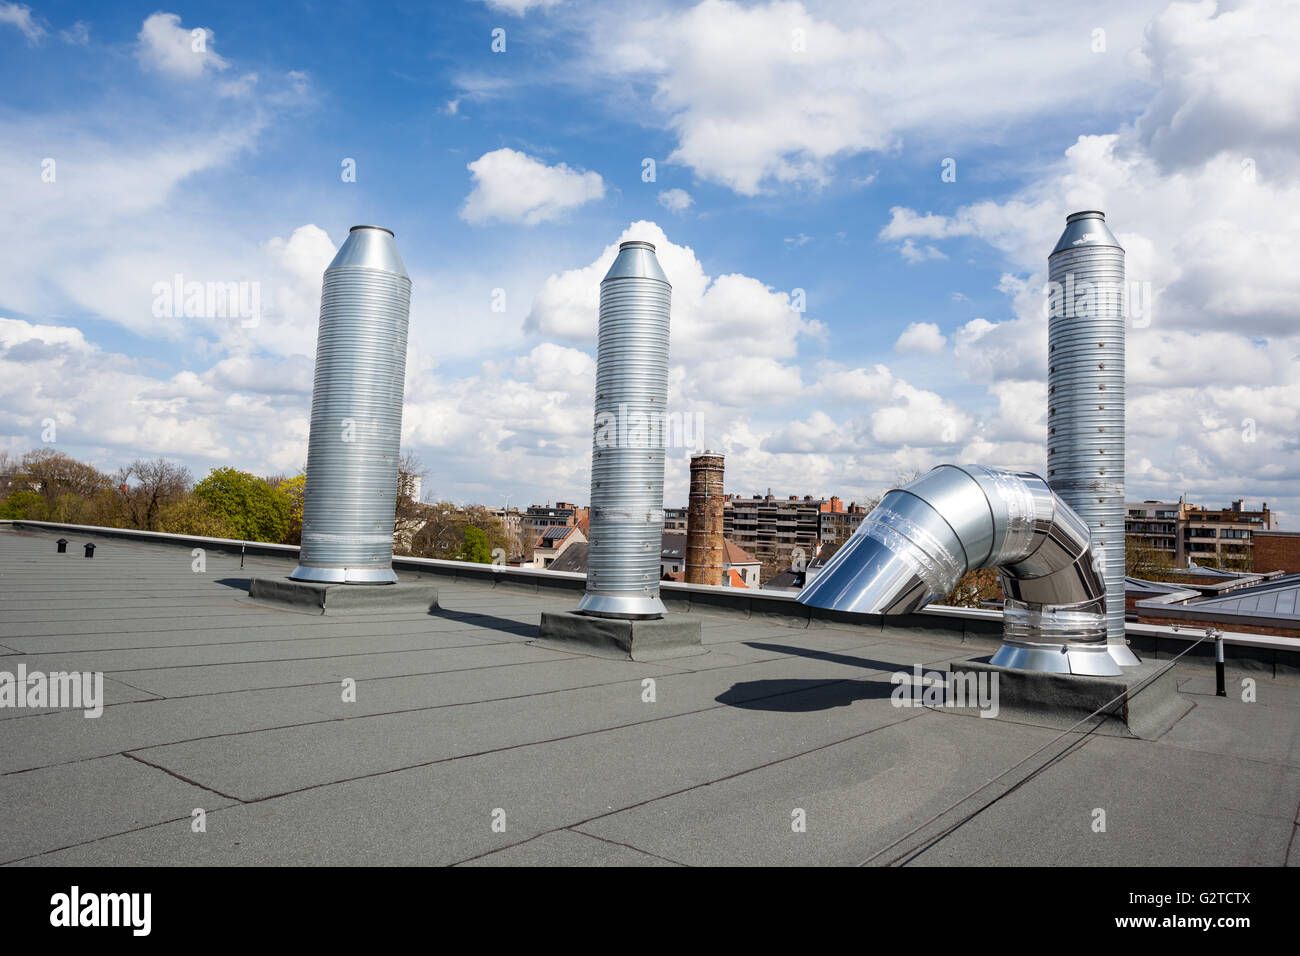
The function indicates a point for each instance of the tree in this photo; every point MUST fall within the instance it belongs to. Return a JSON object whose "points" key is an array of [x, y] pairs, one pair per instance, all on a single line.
{"points": [[63, 483], [158, 483], [190, 515], [1141, 560], [409, 515], [248, 505], [975, 588], [105, 510], [441, 533], [475, 546], [493, 528], [24, 504], [296, 489]]}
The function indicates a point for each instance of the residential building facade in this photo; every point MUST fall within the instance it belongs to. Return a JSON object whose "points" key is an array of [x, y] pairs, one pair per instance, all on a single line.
{"points": [[512, 520], [1213, 537], [538, 518], [770, 527], [675, 519], [1154, 525], [1223, 537], [837, 521], [553, 542]]}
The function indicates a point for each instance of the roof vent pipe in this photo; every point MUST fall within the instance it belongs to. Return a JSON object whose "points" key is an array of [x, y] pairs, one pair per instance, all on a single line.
{"points": [[917, 543], [356, 414], [1085, 387], [627, 456]]}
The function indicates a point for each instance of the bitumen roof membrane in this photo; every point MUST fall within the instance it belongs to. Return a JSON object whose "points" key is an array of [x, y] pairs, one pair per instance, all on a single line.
{"points": [[465, 744]]}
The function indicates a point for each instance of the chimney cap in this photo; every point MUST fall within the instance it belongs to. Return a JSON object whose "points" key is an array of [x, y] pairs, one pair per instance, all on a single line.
{"points": [[380, 228], [1085, 228], [636, 244]]}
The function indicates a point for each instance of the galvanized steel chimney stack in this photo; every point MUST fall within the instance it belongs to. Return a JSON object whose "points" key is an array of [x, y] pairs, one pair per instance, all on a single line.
{"points": [[1085, 389], [627, 458], [356, 414]]}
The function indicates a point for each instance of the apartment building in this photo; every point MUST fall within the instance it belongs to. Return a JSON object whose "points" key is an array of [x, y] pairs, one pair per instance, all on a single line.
{"points": [[1215, 537], [1223, 537], [837, 521], [675, 519], [512, 520], [772, 527], [1154, 525]]}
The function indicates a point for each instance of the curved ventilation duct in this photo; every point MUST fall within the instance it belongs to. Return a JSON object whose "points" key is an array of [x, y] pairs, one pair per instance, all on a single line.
{"points": [[356, 414], [917, 543], [1085, 396], [627, 457]]}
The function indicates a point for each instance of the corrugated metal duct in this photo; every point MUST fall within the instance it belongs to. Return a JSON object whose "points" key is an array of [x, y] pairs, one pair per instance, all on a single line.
{"points": [[627, 458], [1085, 385], [356, 414]]}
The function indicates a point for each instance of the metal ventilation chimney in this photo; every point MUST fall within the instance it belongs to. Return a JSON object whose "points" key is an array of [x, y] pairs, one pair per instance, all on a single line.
{"points": [[627, 458], [917, 543], [356, 414], [704, 515], [1085, 396]]}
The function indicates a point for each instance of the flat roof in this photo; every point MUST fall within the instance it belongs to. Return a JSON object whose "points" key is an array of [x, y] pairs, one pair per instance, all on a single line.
{"points": [[218, 703], [1279, 598]]}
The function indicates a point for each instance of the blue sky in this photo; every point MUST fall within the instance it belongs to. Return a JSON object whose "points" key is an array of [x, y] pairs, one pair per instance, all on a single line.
{"points": [[809, 139]]}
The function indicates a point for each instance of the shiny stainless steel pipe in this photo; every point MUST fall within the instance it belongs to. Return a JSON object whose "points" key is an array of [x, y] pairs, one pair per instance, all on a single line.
{"points": [[1085, 385], [917, 543], [627, 458], [356, 414]]}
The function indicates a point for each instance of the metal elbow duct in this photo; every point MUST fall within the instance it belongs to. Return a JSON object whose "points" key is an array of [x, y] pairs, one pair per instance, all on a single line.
{"points": [[921, 538]]}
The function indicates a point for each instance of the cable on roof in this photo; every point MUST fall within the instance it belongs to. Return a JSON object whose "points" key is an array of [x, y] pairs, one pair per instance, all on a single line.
{"points": [[974, 813]]}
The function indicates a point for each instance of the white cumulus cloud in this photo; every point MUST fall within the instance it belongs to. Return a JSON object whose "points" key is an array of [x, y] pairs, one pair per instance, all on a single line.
{"points": [[510, 186], [775, 93], [167, 47], [922, 337], [749, 317], [676, 201]]}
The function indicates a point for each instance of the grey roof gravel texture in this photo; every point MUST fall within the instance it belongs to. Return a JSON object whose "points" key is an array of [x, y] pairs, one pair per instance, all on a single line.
{"points": [[220, 704]]}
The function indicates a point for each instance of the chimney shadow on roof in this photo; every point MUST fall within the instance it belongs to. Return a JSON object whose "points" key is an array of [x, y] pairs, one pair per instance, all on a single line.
{"points": [[239, 584], [794, 696], [864, 662], [491, 621]]}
